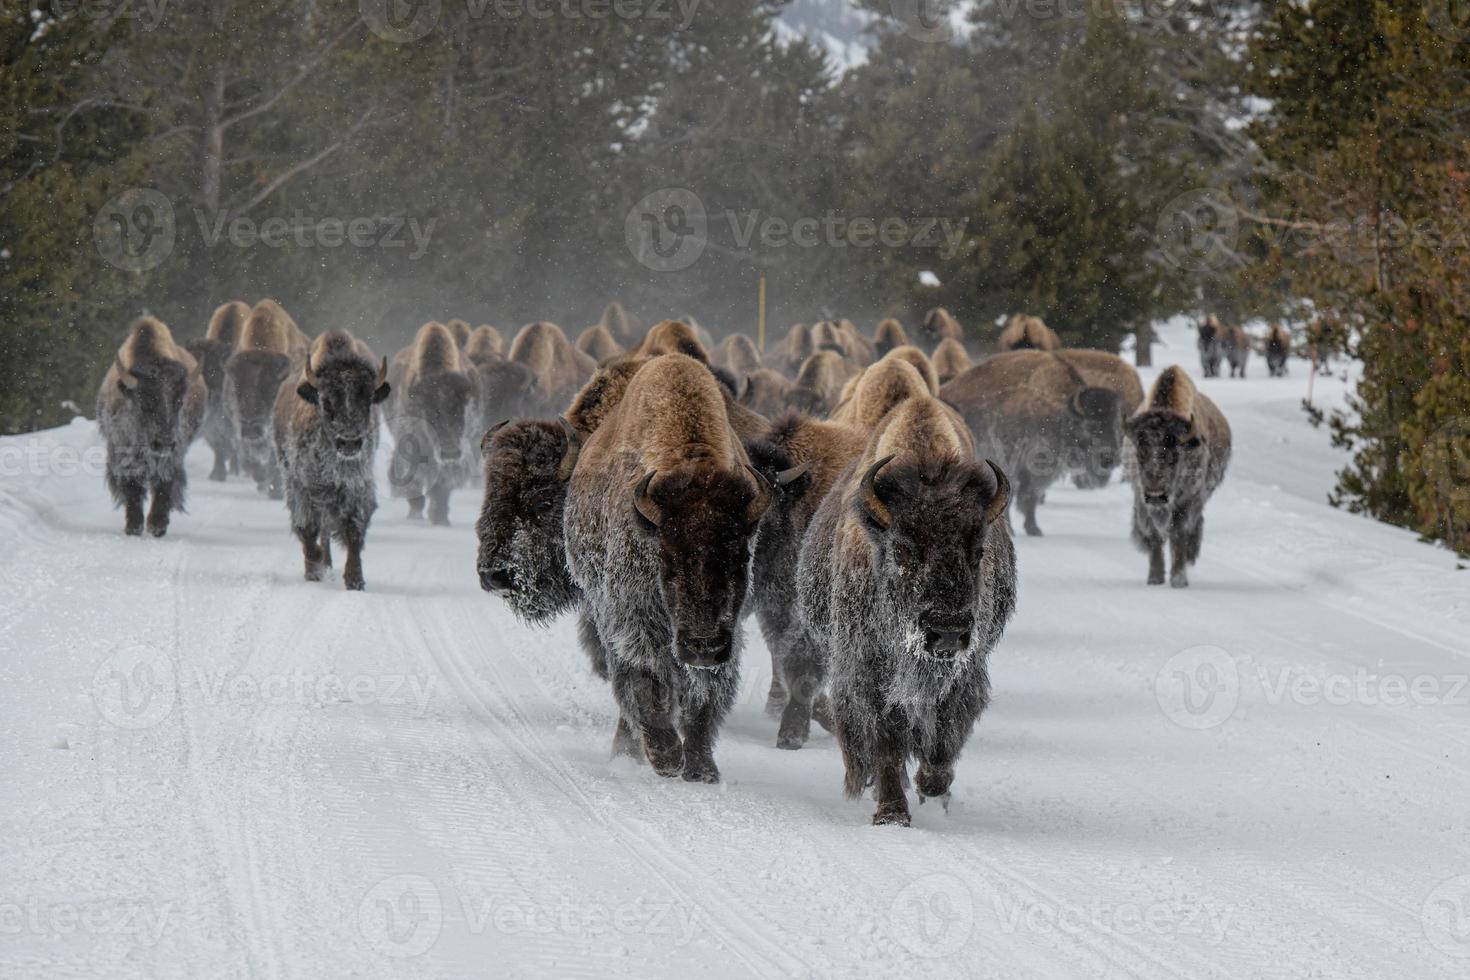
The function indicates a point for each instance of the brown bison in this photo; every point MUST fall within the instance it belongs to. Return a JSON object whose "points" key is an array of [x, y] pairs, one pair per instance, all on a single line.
{"points": [[1235, 345], [625, 328], [789, 355], [951, 359], [271, 348], [559, 368], [660, 514], [1278, 350], [213, 352], [890, 334], [326, 432], [149, 408], [1038, 414], [1179, 448], [461, 331], [484, 346], [906, 580], [767, 392], [1023, 332], [921, 363], [738, 354], [433, 416], [818, 386], [937, 325], [672, 337], [597, 343], [879, 389]]}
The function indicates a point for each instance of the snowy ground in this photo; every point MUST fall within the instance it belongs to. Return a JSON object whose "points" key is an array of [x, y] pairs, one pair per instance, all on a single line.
{"points": [[213, 769]]}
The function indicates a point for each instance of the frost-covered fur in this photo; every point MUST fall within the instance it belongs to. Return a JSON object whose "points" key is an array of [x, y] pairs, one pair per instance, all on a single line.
{"points": [[326, 434], [213, 352], [1179, 448], [270, 349], [433, 415], [907, 579], [149, 409], [659, 519]]}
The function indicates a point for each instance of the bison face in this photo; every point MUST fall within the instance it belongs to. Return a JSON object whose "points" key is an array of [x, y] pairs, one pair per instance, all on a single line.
{"points": [[157, 389], [521, 557], [344, 393], [928, 525], [508, 390], [441, 404], [1097, 444], [703, 519], [252, 380], [1168, 452]]}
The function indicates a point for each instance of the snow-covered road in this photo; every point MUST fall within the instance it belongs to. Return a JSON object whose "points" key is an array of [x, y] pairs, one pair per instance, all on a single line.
{"points": [[210, 768]]}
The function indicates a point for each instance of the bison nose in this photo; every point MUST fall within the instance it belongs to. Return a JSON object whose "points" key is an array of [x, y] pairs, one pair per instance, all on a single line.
{"points": [[1156, 498], [705, 651], [948, 635], [497, 580]]}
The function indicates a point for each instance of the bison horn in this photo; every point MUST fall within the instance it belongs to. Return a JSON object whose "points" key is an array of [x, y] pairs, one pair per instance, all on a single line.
{"points": [[762, 501], [1074, 404], [125, 377], [382, 371], [490, 434], [574, 448], [876, 508], [645, 506], [1001, 497], [310, 373], [788, 477]]}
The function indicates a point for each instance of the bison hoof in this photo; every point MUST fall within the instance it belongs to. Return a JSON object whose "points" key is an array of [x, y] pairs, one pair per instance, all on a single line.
{"points": [[796, 726], [1155, 578], [133, 530], [1179, 581], [313, 573], [701, 771], [892, 815], [439, 521], [822, 712], [217, 476], [1034, 530], [354, 584], [158, 530], [933, 783], [664, 750]]}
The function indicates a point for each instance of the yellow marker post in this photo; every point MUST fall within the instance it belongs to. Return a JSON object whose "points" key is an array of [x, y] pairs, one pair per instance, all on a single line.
{"points": [[760, 322]]}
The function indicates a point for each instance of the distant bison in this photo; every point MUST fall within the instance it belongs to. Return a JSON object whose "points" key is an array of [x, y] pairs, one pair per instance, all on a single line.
{"points": [[433, 417], [660, 516], [484, 346], [1023, 332], [951, 359], [766, 391], [936, 326], [1278, 350], [213, 352], [1208, 342], [890, 334], [149, 408], [1179, 449], [879, 389], [907, 579], [788, 356], [271, 349], [326, 432], [819, 383], [738, 354], [598, 343], [1235, 345], [559, 368]]}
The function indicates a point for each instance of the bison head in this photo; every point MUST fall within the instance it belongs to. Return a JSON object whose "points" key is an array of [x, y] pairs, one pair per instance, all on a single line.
{"points": [[252, 379], [703, 519], [928, 524], [1096, 416], [439, 405], [1169, 454], [509, 390], [521, 556], [344, 391], [1208, 332], [157, 388]]}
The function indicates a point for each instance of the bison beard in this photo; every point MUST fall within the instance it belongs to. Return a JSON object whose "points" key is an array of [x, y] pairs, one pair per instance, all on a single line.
{"points": [[908, 579]]}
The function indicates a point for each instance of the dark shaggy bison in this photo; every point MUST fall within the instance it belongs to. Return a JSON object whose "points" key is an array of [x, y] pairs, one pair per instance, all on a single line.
{"points": [[1036, 413], [149, 408], [1209, 344], [1278, 350], [271, 349], [660, 515], [326, 432], [1179, 448], [433, 415], [213, 352], [907, 579]]}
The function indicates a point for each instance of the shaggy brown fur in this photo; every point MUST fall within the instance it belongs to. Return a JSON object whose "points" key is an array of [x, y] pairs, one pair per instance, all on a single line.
{"points": [[560, 368], [270, 328], [1023, 332], [859, 349], [227, 323], [819, 383], [270, 349], [767, 392], [951, 359], [788, 356], [605, 391], [937, 325], [461, 331], [485, 346], [921, 363], [597, 343], [1105, 370], [738, 354], [890, 334], [672, 337], [1278, 350], [431, 414], [213, 352], [625, 328], [886, 384]]}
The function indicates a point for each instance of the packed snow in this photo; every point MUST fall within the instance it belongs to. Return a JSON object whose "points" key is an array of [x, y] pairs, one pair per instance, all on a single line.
{"points": [[215, 769]]}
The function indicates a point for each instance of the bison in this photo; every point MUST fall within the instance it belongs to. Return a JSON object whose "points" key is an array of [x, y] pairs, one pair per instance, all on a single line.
{"points": [[660, 515], [819, 383], [738, 354], [907, 578], [326, 432], [890, 334], [271, 349], [951, 359], [484, 346], [460, 331], [1179, 447], [1023, 332], [937, 325], [1037, 413], [789, 355], [1235, 345], [149, 408], [879, 389], [597, 343], [432, 415], [766, 391], [1208, 342], [559, 368], [1278, 350], [624, 327], [213, 352]]}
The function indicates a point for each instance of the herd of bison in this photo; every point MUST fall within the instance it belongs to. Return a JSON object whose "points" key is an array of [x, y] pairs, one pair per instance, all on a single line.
{"points": [[854, 492]]}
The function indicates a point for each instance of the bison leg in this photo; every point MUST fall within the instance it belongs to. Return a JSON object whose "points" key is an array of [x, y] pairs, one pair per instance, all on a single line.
{"points": [[625, 742], [647, 700], [776, 697], [326, 549], [893, 806], [217, 473], [699, 744], [133, 494], [158, 510], [416, 507], [1180, 542], [591, 641], [310, 537], [1156, 563], [804, 682], [352, 536], [1028, 500], [234, 463], [439, 503]]}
